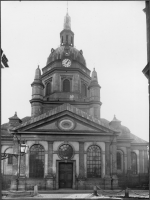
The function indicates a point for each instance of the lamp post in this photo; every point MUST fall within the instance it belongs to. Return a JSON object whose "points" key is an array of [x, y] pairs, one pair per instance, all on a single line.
{"points": [[21, 152]]}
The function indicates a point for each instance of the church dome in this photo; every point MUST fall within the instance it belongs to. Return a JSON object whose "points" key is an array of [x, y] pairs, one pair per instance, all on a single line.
{"points": [[66, 51]]}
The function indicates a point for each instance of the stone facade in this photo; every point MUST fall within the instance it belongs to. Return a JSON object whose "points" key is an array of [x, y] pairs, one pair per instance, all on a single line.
{"points": [[70, 145]]}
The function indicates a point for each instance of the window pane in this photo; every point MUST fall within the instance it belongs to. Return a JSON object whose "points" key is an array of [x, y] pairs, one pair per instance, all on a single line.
{"points": [[37, 161], [93, 161]]}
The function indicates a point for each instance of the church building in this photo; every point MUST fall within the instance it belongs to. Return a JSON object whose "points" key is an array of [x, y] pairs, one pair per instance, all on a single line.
{"points": [[69, 144]]}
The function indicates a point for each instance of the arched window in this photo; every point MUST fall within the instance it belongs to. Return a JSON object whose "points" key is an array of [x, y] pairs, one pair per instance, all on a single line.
{"points": [[48, 88], [134, 163], [36, 161], [93, 161], [118, 160], [83, 90], [66, 85]]}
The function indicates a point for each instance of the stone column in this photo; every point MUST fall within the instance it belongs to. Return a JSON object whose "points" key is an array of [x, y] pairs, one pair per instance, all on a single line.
{"points": [[107, 166], [15, 164], [141, 161], [50, 179], [125, 163], [114, 160], [50, 157], [103, 164], [145, 162], [128, 158], [107, 158], [114, 165]]}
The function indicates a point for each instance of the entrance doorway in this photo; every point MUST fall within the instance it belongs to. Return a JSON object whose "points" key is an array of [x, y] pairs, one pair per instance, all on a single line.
{"points": [[65, 175]]}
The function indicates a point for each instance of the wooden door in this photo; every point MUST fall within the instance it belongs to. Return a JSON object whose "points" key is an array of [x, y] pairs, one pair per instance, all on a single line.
{"points": [[65, 175]]}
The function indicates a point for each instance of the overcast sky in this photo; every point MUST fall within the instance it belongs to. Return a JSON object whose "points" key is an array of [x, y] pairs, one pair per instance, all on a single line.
{"points": [[112, 36]]}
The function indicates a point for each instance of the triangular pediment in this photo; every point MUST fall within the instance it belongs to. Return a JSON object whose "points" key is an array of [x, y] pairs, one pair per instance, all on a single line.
{"points": [[66, 123], [63, 119]]}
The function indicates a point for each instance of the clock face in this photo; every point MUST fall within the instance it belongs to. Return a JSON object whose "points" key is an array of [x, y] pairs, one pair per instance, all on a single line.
{"points": [[66, 62]]}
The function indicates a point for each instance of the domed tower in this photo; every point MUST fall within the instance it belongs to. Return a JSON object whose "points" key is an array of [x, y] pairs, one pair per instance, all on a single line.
{"points": [[66, 77], [94, 89], [37, 94]]}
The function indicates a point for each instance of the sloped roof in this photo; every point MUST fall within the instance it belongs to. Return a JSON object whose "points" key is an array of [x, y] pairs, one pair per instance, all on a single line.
{"points": [[136, 139]]}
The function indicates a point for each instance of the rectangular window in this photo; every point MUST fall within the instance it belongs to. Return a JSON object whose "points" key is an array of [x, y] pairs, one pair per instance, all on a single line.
{"points": [[10, 160]]}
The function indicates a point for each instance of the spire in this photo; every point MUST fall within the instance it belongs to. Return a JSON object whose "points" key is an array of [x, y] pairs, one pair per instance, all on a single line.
{"points": [[37, 77], [37, 73], [115, 119], [94, 75], [67, 21], [66, 35], [67, 7]]}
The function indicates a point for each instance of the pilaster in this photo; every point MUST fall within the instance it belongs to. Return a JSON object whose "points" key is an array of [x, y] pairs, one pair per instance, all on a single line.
{"points": [[128, 158], [81, 159], [141, 161], [107, 158], [50, 157], [114, 160], [145, 162], [50, 176]]}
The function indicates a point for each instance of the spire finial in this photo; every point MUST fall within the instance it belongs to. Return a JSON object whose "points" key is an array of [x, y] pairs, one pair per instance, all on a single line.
{"points": [[67, 20], [67, 7]]}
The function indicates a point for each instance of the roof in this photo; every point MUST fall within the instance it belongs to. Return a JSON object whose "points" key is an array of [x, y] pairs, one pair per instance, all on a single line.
{"points": [[136, 139], [125, 132]]}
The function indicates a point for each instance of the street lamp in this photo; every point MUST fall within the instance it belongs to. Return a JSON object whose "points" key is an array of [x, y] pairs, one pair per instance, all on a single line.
{"points": [[21, 152]]}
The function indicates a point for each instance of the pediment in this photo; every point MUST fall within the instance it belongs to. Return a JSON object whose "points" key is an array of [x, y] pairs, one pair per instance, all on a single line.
{"points": [[65, 123], [65, 118]]}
